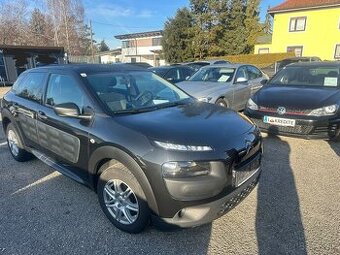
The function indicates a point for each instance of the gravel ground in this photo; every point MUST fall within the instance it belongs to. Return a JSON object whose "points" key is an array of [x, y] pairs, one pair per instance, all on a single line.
{"points": [[294, 210]]}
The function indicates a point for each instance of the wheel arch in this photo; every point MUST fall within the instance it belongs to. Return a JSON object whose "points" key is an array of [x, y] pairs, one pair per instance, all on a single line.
{"points": [[6, 118], [224, 99], [110, 155]]}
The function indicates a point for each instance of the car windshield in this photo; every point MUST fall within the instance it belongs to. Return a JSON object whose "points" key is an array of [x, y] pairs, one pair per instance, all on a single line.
{"points": [[135, 91], [214, 74], [325, 76]]}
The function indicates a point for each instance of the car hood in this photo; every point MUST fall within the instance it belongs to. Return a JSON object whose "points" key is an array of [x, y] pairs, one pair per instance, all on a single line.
{"points": [[297, 97], [191, 124], [201, 89]]}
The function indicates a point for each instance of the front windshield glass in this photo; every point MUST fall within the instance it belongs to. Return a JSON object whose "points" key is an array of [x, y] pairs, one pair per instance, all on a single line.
{"points": [[135, 91], [214, 74], [325, 76]]}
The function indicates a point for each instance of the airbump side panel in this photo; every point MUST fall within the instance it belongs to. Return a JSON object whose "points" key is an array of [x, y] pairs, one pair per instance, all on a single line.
{"points": [[61, 143]]}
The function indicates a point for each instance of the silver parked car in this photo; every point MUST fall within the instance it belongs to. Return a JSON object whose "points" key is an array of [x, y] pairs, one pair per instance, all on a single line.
{"points": [[228, 85]]}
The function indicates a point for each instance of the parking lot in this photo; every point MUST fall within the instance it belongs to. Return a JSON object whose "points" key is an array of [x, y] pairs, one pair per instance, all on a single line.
{"points": [[294, 210]]}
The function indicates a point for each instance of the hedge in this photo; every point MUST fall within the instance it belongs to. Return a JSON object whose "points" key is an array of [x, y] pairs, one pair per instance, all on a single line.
{"points": [[260, 60]]}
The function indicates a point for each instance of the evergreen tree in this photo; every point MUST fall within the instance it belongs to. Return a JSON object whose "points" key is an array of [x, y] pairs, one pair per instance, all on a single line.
{"points": [[234, 39], [253, 28], [177, 37], [103, 46]]}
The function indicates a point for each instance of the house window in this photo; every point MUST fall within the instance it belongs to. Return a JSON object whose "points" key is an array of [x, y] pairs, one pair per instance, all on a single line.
{"points": [[128, 44], [296, 49], [297, 24], [156, 41], [125, 44], [337, 52], [263, 51]]}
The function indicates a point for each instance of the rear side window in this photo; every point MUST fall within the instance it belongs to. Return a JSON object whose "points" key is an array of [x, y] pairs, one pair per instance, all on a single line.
{"points": [[18, 83], [30, 86], [64, 89]]}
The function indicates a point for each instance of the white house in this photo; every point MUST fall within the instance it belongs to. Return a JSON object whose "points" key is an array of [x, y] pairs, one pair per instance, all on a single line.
{"points": [[142, 47]]}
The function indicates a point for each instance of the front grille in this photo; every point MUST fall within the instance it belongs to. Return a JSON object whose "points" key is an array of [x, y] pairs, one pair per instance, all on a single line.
{"points": [[298, 129], [289, 111], [237, 198]]}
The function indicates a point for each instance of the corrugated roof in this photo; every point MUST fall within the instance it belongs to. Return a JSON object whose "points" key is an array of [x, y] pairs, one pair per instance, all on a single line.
{"points": [[139, 35], [290, 5]]}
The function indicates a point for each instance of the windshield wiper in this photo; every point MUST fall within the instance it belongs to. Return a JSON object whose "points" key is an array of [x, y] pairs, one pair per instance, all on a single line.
{"points": [[152, 108]]}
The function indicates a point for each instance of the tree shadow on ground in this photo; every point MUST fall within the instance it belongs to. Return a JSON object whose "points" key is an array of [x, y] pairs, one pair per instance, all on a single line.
{"points": [[279, 227]]}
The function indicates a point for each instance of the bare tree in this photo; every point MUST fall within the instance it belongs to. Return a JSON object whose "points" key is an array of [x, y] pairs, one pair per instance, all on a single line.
{"points": [[12, 22]]}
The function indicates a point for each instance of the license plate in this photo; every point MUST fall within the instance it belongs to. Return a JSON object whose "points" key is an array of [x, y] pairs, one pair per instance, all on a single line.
{"points": [[279, 121], [244, 173]]}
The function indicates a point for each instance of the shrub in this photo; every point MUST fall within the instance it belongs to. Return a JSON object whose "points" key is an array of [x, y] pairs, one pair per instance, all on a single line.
{"points": [[259, 60]]}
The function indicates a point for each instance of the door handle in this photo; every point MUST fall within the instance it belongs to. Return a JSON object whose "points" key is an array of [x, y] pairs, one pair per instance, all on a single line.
{"points": [[42, 115]]}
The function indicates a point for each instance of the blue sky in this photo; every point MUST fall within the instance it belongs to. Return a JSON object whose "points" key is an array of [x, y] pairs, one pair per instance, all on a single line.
{"points": [[113, 17]]}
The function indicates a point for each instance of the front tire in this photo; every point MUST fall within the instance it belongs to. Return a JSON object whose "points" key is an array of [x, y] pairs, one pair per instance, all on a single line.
{"points": [[15, 145], [122, 199]]}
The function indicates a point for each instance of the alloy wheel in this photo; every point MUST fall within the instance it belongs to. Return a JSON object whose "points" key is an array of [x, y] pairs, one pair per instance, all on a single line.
{"points": [[121, 201], [12, 139]]}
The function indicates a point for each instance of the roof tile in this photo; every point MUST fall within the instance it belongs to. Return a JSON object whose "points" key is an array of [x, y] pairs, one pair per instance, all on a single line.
{"points": [[302, 4]]}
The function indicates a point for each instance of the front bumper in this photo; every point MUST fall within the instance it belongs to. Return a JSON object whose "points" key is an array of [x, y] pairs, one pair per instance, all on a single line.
{"points": [[306, 127], [197, 215]]}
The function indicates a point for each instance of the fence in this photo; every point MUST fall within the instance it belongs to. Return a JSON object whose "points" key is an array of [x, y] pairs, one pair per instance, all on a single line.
{"points": [[84, 59]]}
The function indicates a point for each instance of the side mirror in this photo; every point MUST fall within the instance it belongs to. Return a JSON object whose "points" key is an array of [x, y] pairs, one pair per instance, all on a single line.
{"points": [[241, 80], [70, 110], [264, 82]]}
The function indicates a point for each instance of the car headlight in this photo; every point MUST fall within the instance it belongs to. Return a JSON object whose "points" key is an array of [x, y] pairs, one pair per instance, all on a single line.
{"points": [[205, 99], [325, 111], [252, 105], [185, 169], [181, 147]]}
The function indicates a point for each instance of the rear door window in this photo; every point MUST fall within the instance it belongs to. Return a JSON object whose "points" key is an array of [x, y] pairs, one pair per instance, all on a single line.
{"points": [[30, 86]]}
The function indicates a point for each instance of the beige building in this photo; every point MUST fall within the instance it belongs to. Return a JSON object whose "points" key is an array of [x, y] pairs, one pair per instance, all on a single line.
{"points": [[142, 47], [109, 57]]}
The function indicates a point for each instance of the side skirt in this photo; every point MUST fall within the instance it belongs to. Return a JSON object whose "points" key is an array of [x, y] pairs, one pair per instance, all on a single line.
{"points": [[60, 168]]}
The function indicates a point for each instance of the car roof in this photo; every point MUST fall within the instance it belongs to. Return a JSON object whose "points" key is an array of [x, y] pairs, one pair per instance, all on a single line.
{"points": [[168, 67], [89, 68], [317, 64], [225, 65]]}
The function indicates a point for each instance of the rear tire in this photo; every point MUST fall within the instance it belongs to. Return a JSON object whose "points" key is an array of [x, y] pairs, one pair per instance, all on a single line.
{"points": [[122, 198], [15, 144], [221, 102]]}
